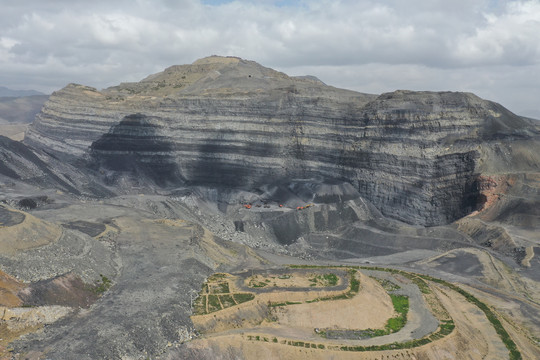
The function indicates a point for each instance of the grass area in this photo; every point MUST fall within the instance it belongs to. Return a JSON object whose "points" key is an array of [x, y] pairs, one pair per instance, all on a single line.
{"points": [[216, 277], [220, 288], [216, 295], [227, 301], [355, 283], [271, 304], [400, 303], [331, 279], [401, 306], [515, 354], [217, 302], [324, 280], [257, 284], [422, 285], [199, 305], [303, 344], [354, 287], [243, 297], [445, 328], [213, 303], [386, 284]]}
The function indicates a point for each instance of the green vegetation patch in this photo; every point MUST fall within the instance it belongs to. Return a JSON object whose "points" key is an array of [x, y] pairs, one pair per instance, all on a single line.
{"points": [[401, 303], [355, 283], [354, 287], [199, 305], [446, 327], [213, 303], [243, 297], [102, 285], [515, 354], [331, 279], [219, 302], [324, 280], [219, 288], [401, 306], [217, 277], [257, 284], [227, 301], [271, 304], [386, 284], [216, 295], [418, 281]]}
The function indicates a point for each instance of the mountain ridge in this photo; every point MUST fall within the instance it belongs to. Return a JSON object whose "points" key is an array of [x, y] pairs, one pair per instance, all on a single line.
{"points": [[225, 121], [7, 92]]}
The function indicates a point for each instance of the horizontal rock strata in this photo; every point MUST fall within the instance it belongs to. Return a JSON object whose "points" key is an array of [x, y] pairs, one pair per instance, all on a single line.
{"points": [[230, 122]]}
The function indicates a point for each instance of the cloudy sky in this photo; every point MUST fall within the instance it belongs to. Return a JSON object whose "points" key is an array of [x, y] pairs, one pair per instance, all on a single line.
{"points": [[489, 47]]}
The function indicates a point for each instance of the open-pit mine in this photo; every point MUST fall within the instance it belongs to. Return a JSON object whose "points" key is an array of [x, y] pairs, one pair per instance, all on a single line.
{"points": [[225, 210]]}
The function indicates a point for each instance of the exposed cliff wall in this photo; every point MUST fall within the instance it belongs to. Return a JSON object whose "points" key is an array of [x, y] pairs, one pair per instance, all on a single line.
{"points": [[230, 122], [72, 119]]}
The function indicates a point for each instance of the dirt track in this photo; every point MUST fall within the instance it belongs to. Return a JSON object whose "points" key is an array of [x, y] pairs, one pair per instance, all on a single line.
{"points": [[473, 338], [241, 283]]}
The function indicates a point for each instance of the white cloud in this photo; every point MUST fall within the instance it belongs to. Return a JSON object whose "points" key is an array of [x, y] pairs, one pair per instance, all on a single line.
{"points": [[6, 44], [509, 38], [368, 45]]}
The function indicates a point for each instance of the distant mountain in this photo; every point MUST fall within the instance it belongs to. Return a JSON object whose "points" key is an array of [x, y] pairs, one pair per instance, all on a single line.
{"points": [[6, 92], [20, 110], [531, 114]]}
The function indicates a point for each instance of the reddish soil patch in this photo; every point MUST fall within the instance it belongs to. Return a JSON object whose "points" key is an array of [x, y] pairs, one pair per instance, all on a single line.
{"points": [[492, 189], [9, 287]]}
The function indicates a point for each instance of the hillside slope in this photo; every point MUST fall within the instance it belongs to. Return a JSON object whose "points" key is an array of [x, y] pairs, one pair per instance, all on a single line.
{"points": [[234, 123]]}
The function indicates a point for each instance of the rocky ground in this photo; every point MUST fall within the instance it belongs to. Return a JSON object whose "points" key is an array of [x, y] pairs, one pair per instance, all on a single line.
{"points": [[157, 250]]}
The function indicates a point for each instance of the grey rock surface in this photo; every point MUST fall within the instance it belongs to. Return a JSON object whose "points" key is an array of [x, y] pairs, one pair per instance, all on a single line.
{"points": [[73, 252], [154, 270], [234, 123]]}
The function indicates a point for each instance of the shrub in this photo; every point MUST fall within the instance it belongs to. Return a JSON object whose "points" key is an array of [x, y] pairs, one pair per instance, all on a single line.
{"points": [[331, 279], [102, 285]]}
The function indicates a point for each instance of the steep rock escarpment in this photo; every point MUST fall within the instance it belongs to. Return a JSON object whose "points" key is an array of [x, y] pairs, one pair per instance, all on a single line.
{"points": [[21, 163], [230, 122], [138, 145]]}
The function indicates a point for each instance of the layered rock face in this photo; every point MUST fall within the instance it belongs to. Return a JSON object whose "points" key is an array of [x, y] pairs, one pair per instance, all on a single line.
{"points": [[233, 123]]}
